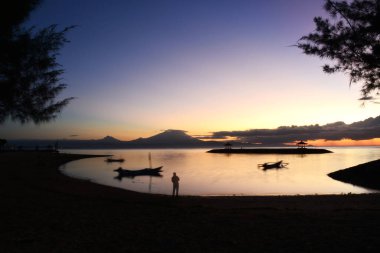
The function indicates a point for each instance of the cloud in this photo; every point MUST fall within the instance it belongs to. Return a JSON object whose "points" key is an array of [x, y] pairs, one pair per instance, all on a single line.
{"points": [[205, 137], [361, 130], [173, 131]]}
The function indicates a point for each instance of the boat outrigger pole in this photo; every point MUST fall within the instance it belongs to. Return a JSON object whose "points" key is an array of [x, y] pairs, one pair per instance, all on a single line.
{"points": [[150, 178]]}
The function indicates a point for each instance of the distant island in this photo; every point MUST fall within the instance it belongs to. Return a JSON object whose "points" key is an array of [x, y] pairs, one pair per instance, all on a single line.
{"points": [[271, 151]]}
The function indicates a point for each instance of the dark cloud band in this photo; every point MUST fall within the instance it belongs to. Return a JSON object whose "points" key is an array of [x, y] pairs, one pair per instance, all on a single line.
{"points": [[362, 130]]}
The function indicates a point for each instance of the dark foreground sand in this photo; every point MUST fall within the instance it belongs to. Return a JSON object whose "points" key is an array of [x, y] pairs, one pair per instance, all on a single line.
{"points": [[45, 211]]}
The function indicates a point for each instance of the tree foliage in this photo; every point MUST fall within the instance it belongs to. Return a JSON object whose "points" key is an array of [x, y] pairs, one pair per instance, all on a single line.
{"points": [[29, 73], [351, 40]]}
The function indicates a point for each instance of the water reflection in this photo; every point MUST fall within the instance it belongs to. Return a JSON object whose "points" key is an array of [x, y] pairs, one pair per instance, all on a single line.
{"points": [[217, 174]]}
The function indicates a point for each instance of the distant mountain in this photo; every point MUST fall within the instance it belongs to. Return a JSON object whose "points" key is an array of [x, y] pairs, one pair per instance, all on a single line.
{"points": [[109, 139], [167, 139]]}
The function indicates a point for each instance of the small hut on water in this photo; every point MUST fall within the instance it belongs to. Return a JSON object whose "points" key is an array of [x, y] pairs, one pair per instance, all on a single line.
{"points": [[228, 146], [301, 144]]}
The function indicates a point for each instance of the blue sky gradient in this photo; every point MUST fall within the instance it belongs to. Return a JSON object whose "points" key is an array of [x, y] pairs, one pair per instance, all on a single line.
{"points": [[139, 67]]}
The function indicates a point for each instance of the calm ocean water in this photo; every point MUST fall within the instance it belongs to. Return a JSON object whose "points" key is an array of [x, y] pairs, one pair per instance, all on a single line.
{"points": [[203, 173]]}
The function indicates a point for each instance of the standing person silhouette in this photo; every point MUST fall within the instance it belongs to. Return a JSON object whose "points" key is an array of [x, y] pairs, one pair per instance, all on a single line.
{"points": [[175, 181]]}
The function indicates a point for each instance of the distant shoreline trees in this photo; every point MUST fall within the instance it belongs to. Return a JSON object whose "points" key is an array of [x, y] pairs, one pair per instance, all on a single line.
{"points": [[30, 77], [351, 40]]}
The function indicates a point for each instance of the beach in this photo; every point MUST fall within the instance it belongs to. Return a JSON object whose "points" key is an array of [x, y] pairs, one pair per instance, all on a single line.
{"points": [[45, 211]]}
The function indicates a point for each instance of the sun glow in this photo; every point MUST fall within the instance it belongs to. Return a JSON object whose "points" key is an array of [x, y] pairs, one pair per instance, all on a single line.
{"points": [[345, 142]]}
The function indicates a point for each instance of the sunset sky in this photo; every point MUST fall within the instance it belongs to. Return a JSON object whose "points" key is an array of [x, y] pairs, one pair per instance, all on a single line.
{"points": [[139, 67]]}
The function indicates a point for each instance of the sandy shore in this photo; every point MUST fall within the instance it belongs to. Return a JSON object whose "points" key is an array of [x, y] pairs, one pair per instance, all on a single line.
{"points": [[45, 211]]}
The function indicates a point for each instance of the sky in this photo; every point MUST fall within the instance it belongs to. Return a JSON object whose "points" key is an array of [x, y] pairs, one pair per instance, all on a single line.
{"points": [[140, 67]]}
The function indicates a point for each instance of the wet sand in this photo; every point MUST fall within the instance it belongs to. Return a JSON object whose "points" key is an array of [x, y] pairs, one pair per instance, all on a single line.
{"points": [[45, 211]]}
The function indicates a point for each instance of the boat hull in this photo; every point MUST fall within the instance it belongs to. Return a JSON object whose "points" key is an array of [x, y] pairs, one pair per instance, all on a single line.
{"points": [[142, 172], [110, 160]]}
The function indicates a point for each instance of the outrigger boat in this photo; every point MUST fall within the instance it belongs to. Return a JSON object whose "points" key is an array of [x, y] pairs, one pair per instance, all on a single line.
{"points": [[143, 172], [112, 160], [273, 165], [155, 172]]}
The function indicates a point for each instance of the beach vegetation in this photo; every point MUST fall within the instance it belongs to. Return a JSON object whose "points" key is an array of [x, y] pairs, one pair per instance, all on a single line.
{"points": [[350, 40], [30, 76]]}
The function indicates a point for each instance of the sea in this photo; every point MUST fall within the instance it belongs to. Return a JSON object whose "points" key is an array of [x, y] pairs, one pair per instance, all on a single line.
{"points": [[209, 174]]}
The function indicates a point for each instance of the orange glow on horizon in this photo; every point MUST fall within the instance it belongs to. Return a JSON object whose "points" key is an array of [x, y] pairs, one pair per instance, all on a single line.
{"points": [[345, 142]]}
